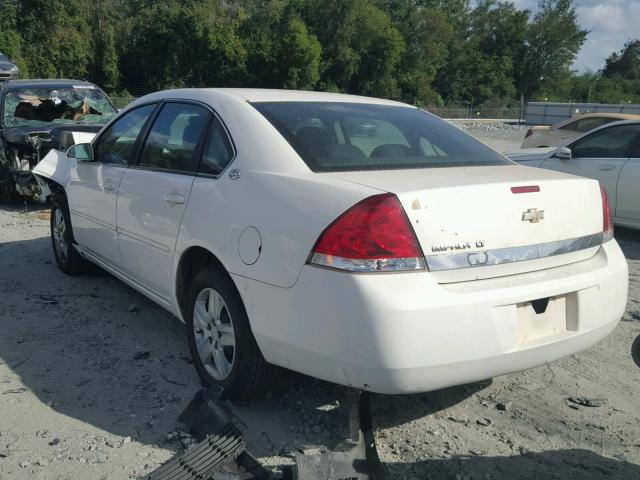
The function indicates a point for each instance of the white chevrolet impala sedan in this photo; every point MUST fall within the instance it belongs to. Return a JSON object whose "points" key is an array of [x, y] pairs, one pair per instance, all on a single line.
{"points": [[361, 241]]}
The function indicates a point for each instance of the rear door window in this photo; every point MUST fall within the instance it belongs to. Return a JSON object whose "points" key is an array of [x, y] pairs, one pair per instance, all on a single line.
{"points": [[587, 124], [174, 138], [331, 136]]}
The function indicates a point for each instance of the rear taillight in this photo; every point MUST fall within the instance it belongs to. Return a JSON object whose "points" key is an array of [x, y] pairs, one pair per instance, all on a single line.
{"points": [[607, 218], [372, 236], [528, 134]]}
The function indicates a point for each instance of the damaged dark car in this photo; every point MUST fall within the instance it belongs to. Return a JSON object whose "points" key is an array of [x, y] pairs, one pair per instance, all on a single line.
{"points": [[37, 116]]}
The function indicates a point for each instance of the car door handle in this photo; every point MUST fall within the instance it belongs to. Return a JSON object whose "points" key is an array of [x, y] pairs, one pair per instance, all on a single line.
{"points": [[606, 168], [109, 185], [174, 198]]}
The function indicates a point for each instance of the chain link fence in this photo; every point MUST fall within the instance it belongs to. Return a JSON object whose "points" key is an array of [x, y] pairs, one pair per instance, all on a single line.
{"points": [[478, 113], [516, 114], [121, 102]]}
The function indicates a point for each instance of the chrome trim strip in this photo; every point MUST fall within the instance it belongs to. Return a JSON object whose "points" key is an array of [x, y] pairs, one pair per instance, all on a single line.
{"points": [[437, 263]]}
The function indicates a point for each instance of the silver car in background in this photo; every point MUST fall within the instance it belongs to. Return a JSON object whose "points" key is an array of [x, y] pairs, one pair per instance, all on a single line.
{"points": [[609, 154], [8, 69], [562, 132]]}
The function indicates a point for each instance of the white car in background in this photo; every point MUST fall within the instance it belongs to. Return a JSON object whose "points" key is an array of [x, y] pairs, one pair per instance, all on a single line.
{"points": [[552, 136], [357, 240], [611, 155]]}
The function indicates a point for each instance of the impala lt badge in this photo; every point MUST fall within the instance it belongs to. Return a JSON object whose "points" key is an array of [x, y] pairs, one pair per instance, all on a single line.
{"points": [[533, 215]]}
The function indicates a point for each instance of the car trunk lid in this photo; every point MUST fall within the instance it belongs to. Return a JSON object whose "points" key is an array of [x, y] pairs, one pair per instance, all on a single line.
{"points": [[472, 225]]}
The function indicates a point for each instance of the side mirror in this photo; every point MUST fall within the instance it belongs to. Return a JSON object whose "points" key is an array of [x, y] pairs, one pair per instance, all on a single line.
{"points": [[82, 152], [563, 153]]}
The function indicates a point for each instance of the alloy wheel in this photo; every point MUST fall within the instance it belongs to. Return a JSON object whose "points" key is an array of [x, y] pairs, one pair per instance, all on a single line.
{"points": [[60, 235], [214, 333]]}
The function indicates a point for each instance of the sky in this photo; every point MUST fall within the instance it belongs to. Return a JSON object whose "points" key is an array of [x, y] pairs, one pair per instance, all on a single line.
{"points": [[611, 23]]}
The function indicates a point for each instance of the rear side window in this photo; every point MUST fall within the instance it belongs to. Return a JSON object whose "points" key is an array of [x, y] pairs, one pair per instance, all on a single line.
{"points": [[174, 138], [611, 142], [587, 124], [332, 136], [116, 145], [218, 152]]}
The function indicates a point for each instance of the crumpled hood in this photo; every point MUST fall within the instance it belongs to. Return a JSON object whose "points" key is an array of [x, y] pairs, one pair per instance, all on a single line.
{"points": [[62, 136]]}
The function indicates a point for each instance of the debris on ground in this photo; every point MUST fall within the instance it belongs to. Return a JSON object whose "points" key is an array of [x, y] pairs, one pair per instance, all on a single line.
{"points": [[587, 402], [142, 355], [504, 406]]}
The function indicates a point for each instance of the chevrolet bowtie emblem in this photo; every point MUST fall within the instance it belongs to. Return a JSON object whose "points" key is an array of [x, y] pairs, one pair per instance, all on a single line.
{"points": [[533, 215]]}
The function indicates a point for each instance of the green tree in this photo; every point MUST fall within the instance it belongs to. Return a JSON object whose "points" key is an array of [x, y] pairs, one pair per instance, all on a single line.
{"points": [[481, 60], [193, 43], [429, 52], [106, 19], [361, 47], [552, 43], [626, 63], [300, 55], [56, 39], [426, 32], [10, 41]]}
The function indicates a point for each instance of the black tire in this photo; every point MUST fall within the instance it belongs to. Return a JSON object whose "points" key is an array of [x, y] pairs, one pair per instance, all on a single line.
{"points": [[249, 374], [7, 184], [635, 351], [67, 258]]}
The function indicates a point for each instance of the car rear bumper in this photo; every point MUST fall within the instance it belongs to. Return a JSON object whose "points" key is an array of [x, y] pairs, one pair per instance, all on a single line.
{"points": [[405, 333]]}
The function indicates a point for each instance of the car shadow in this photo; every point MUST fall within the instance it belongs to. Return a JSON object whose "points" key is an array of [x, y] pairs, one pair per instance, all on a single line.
{"points": [[574, 464], [90, 347], [95, 350], [629, 241]]}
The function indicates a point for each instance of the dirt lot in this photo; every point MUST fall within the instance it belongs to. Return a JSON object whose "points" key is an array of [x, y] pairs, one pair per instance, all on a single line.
{"points": [[93, 377], [504, 137]]}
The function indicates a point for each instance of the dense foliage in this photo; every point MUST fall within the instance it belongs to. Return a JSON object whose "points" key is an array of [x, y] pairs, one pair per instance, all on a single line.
{"points": [[431, 52]]}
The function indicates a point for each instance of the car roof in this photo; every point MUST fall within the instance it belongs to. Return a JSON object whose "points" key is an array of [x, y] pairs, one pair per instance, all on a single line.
{"points": [[272, 95], [609, 115], [45, 83], [581, 116], [630, 121], [635, 121], [575, 118]]}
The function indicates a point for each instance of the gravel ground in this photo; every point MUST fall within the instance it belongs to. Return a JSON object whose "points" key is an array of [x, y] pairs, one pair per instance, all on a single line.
{"points": [[504, 137], [93, 377]]}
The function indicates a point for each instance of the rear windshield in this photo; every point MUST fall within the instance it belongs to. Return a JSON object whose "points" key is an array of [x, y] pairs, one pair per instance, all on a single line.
{"points": [[333, 137]]}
